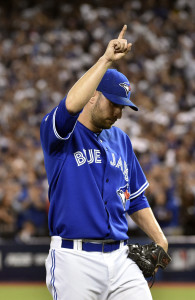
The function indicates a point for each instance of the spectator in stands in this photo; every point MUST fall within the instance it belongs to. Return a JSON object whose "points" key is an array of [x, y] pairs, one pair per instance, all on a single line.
{"points": [[7, 213], [31, 211]]}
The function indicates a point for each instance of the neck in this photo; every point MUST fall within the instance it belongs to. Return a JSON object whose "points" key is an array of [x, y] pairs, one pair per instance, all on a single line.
{"points": [[85, 120]]}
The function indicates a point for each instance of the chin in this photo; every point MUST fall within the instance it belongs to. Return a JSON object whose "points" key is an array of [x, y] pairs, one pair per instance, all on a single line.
{"points": [[107, 126]]}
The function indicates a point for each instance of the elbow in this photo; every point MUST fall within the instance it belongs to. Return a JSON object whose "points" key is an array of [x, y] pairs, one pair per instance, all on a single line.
{"points": [[70, 105]]}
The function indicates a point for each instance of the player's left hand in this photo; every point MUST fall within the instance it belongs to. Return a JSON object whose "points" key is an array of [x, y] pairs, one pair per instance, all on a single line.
{"points": [[149, 257]]}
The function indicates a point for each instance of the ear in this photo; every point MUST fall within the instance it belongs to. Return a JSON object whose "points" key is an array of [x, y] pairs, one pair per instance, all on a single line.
{"points": [[94, 97]]}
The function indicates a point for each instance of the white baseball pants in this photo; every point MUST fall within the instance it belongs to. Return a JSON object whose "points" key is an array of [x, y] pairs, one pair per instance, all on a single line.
{"points": [[79, 275]]}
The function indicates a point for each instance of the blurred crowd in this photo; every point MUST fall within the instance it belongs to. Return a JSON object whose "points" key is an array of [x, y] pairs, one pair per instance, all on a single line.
{"points": [[45, 46]]}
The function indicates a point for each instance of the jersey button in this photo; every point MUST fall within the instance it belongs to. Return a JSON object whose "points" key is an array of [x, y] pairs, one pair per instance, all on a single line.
{"points": [[107, 180], [101, 141], [105, 202]]}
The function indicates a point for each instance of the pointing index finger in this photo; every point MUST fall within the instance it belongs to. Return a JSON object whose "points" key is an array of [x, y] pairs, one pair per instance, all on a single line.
{"points": [[122, 33]]}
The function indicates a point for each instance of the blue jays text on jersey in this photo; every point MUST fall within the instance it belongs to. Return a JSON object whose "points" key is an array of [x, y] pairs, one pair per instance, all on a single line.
{"points": [[93, 179]]}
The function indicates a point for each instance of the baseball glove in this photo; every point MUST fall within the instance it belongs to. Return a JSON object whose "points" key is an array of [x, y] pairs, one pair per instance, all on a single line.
{"points": [[149, 257]]}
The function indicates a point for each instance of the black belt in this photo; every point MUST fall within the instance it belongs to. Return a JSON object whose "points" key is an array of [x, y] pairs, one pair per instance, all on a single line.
{"points": [[92, 246]]}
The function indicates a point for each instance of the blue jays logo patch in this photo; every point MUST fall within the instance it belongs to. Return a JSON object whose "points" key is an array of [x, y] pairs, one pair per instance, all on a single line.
{"points": [[126, 87], [124, 194]]}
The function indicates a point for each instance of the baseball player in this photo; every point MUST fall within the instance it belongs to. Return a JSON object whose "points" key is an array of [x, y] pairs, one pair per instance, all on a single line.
{"points": [[94, 180]]}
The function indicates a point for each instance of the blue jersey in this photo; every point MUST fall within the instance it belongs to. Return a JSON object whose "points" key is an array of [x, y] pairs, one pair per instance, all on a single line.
{"points": [[94, 179]]}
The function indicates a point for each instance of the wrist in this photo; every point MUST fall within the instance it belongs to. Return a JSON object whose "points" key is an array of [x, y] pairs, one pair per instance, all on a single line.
{"points": [[106, 61], [163, 244]]}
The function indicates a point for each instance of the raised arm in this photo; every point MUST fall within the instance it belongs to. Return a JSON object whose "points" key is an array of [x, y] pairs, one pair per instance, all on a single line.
{"points": [[85, 87]]}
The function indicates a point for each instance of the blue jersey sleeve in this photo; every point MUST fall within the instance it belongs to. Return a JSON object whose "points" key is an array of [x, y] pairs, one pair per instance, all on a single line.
{"points": [[64, 121], [138, 203], [138, 181], [56, 127]]}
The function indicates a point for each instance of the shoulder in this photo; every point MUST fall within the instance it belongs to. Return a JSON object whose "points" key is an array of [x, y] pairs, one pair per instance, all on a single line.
{"points": [[118, 131], [118, 135]]}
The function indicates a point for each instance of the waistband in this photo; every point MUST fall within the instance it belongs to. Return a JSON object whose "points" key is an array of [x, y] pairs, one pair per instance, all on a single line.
{"points": [[87, 245]]}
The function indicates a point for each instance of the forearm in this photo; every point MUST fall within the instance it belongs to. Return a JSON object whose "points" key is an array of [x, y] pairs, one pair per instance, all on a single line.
{"points": [[147, 222], [85, 87]]}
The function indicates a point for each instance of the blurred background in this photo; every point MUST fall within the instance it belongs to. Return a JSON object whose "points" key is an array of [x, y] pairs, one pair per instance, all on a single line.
{"points": [[45, 46]]}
